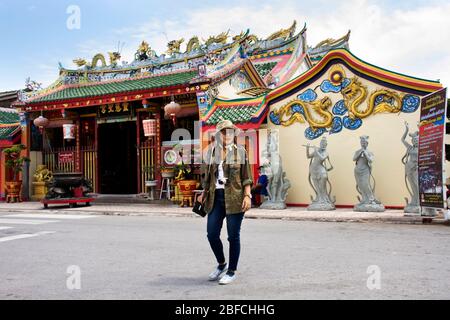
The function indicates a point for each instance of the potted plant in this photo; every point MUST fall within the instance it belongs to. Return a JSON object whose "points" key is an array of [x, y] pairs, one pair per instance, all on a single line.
{"points": [[185, 179], [14, 162], [167, 172]]}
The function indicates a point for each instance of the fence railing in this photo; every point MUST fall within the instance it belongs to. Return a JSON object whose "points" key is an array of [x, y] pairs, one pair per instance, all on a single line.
{"points": [[147, 153], [89, 165], [62, 160]]}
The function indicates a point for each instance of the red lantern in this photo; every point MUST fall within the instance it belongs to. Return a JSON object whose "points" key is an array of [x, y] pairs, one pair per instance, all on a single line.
{"points": [[145, 103], [41, 123], [171, 110], [149, 127]]}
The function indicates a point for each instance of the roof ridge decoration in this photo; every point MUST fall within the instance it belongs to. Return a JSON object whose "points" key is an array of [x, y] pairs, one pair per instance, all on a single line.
{"points": [[8, 110], [331, 42], [284, 34], [31, 96], [146, 60], [398, 79], [323, 47]]}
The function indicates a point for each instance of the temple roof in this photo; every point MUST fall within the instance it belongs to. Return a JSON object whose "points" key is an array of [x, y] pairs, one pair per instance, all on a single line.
{"points": [[9, 124], [245, 113], [67, 92], [216, 53], [270, 62]]}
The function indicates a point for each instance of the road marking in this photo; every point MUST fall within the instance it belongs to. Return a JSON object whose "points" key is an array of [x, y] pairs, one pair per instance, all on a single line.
{"points": [[23, 221], [51, 216], [25, 236], [5, 228]]}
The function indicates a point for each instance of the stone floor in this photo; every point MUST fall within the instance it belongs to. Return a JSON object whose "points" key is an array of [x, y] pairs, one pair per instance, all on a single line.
{"points": [[169, 209]]}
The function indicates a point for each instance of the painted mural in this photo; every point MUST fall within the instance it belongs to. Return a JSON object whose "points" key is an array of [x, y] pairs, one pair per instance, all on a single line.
{"points": [[354, 103]]}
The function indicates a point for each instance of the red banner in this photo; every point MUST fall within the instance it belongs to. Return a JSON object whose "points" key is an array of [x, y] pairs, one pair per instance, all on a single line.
{"points": [[65, 157]]}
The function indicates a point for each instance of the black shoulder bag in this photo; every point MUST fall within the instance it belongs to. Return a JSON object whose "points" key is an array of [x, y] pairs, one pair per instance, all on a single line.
{"points": [[198, 206]]}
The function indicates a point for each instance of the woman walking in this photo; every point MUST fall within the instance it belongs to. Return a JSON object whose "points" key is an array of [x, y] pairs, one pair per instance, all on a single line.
{"points": [[227, 183]]}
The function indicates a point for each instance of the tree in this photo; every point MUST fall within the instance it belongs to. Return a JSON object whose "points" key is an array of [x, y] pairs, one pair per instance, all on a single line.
{"points": [[14, 160]]}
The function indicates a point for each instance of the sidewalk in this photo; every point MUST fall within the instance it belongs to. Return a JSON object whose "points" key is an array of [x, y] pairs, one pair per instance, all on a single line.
{"points": [[292, 213]]}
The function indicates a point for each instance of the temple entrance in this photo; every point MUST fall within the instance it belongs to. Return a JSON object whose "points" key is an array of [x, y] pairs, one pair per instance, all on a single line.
{"points": [[117, 158]]}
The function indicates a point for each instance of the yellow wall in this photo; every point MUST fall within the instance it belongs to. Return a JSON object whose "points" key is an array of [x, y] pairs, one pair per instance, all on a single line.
{"points": [[385, 131]]}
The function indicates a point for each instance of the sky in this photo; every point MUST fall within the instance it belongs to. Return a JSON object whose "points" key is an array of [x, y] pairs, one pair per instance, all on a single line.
{"points": [[411, 37]]}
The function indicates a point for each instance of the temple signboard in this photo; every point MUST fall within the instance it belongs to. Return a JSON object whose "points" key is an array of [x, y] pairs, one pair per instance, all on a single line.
{"points": [[431, 149], [65, 157], [114, 109]]}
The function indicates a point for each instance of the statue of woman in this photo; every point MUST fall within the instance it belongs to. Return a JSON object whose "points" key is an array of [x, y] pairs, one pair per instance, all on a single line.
{"points": [[278, 184], [318, 177], [410, 160], [276, 170], [363, 174]]}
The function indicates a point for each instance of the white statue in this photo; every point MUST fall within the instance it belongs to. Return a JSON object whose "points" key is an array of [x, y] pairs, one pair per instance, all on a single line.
{"points": [[363, 174], [411, 162], [318, 177], [278, 184]]}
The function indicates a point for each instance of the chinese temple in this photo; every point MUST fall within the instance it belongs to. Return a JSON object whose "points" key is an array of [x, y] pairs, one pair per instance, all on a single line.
{"points": [[93, 118], [102, 103]]}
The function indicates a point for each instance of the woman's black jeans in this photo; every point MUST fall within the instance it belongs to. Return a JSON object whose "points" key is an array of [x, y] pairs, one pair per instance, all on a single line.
{"points": [[215, 222]]}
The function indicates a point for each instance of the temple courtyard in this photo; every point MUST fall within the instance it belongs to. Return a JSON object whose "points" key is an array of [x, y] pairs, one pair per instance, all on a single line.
{"points": [[62, 254]]}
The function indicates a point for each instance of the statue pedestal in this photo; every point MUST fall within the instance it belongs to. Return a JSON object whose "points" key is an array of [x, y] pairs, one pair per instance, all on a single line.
{"points": [[412, 210], [369, 207], [318, 206], [40, 190], [269, 205]]}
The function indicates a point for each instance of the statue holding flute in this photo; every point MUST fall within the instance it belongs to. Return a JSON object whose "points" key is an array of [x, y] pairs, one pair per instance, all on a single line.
{"points": [[319, 167]]}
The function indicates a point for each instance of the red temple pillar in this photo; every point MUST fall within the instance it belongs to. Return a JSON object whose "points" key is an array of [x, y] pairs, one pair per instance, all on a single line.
{"points": [[78, 147], [138, 152]]}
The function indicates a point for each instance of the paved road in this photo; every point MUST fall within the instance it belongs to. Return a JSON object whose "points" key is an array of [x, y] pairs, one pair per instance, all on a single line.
{"points": [[169, 258]]}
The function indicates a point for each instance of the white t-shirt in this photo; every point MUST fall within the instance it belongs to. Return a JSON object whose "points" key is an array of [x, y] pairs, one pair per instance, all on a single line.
{"points": [[220, 176]]}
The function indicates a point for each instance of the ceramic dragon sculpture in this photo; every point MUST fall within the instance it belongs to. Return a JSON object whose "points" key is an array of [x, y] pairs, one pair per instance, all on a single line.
{"points": [[380, 101], [315, 113], [219, 39], [193, 44], [144, 52], [174, 46], [113, 58], [354, 95], [251, 38], [284, 33]]}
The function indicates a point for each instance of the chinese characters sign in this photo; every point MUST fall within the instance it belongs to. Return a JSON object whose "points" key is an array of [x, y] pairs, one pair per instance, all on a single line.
{"points": [[65, 157], [431, 149], [114, 109]]}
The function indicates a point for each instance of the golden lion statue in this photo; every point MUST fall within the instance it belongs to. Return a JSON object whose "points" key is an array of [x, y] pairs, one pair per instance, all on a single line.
{"points": [[42, 174]]}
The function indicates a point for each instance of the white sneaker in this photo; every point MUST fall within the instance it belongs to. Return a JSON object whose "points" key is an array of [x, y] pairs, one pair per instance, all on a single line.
{"points": [[227, 279], [215, 275]]}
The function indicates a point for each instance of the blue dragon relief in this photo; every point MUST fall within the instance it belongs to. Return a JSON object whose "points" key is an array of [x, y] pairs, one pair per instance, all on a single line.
{"points": [[346, 113]]}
